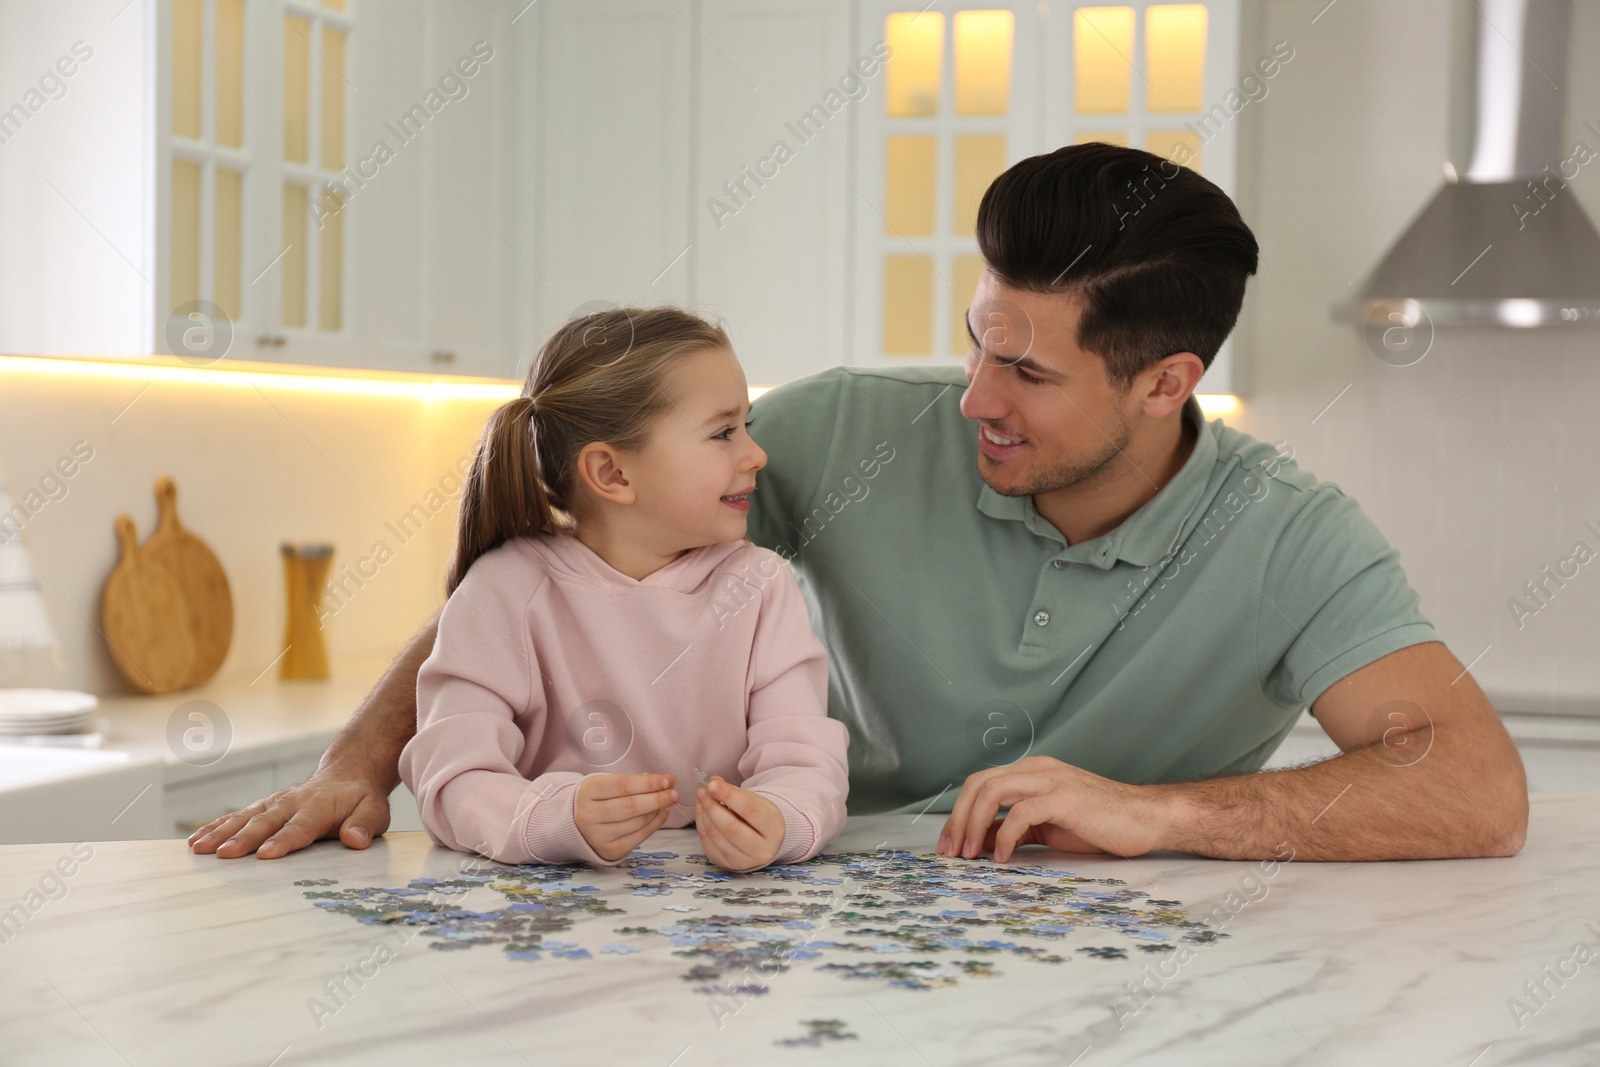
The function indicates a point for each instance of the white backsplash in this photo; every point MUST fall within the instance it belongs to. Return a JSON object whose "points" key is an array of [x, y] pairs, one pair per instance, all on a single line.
{"points": [[253, 469]]}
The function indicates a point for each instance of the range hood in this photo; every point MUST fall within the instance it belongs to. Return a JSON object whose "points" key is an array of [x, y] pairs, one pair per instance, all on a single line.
{"points": [[1504, 242]]}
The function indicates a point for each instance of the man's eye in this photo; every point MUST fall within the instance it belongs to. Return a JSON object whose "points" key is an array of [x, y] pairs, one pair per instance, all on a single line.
{"points": [[1029, 378]]}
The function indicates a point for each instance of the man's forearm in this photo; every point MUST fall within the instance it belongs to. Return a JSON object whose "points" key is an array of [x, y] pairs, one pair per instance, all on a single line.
{"points": [[371, 742], [1372, 803]]}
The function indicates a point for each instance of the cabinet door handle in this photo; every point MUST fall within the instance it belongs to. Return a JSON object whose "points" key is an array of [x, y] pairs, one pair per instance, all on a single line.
{"points": [[443, 357]]}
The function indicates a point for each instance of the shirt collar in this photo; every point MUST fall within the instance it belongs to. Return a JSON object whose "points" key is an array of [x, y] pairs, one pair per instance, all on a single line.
{"points": [[1147, 536]]}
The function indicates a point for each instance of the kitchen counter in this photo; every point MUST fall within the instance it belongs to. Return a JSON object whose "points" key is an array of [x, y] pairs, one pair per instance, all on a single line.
{"points": [[161, 772], [265, 718], [166, 763], [145, 953]]}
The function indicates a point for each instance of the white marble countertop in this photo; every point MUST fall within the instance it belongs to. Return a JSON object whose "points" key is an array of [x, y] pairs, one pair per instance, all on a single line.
{"points": [[267, 718], [147, 954]]}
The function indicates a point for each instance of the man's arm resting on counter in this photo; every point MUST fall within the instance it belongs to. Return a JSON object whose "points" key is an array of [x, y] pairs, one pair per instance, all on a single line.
{"points": [[1427, 772], [348, 795]]}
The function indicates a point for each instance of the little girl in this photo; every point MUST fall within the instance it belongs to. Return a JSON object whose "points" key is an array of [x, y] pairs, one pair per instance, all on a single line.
{"points": [[609, 633]]}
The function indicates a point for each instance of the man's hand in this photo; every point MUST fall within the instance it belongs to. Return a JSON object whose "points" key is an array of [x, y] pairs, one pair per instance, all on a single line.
{"points": [[616, 812], [1054, 804], [330, 802], [740, 830]]}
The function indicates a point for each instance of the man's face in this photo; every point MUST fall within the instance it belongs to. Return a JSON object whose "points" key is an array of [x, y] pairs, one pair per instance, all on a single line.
{"points": [[1047, 416]]}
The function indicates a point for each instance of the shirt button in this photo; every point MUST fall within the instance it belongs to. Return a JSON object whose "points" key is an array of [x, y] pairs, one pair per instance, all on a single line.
{"points": [[1058, 563], [1041, 618]]}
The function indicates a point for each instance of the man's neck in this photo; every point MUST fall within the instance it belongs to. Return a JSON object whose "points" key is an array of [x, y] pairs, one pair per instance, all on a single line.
{"points": [[1136, 476]]}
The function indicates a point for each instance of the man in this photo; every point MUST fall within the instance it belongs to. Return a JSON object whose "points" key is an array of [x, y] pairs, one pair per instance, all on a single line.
{"points": [[1061, 592]]}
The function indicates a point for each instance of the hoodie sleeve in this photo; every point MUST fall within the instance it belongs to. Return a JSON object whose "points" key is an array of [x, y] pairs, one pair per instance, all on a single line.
{"points": [[796, 755], [480, 696]]}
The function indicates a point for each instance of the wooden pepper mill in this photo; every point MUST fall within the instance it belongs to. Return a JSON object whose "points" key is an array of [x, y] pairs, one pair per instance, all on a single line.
{"points": [[305, 572]]}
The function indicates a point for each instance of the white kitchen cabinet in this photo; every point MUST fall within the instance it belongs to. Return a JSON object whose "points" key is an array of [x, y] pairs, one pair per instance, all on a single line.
{"points": [[643, 118], [423, 189], [775, 270], [188, 806], [612, 123], [171, 173], [78, 795], [433, 285]]}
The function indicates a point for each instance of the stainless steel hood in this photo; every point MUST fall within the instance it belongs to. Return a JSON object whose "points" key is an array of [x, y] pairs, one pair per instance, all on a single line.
{"points": [[1504, 241]]}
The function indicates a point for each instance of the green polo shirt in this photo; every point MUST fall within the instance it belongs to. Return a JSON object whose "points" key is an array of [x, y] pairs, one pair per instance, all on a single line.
{"points": [[964, 632]]}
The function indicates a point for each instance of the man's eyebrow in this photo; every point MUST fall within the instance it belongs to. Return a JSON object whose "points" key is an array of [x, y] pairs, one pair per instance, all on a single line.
{"points": [[1027, 363]]}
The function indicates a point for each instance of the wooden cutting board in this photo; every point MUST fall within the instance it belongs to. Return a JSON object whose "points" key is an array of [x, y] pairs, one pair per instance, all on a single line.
{"points": [[168, 610], [202, 585]]}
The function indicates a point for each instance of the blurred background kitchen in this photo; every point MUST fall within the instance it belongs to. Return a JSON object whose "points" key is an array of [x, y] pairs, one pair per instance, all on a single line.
{"points": [[290, 254]]}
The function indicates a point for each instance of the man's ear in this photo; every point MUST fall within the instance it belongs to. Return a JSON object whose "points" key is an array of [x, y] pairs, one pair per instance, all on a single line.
{"points": [[1170, 382], [600, 470]]}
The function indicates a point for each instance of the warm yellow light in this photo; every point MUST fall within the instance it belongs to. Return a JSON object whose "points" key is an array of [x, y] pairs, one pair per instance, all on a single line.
{"points": [[186, 37], [1102, 51], [1180, 146], [983, 62], [169, 369], [1116, 137], [916, 41], [980, 158], [1216, 405], [1175, 56], [907, 306], [910, 191]]}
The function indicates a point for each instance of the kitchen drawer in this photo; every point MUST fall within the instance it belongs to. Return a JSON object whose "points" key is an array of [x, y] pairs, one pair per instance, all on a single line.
{"points": [[190, 806], [293, 771]]}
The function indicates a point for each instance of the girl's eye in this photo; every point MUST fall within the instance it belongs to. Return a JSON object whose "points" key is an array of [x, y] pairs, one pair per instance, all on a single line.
{"points": [[727, 434]]}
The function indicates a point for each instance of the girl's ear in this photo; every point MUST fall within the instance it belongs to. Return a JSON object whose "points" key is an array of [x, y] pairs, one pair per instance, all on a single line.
{"points": [[599, 470]]}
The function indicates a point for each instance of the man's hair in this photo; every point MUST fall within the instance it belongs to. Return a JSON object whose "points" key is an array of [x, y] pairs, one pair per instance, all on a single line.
{"points": [[1157, 254]]}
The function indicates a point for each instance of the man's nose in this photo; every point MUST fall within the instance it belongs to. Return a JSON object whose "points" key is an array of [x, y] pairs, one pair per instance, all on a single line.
{"points": [[981, 400]]}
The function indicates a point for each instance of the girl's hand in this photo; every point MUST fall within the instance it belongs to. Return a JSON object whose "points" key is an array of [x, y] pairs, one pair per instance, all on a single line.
{"points": [[615, 812], [740, 830]]}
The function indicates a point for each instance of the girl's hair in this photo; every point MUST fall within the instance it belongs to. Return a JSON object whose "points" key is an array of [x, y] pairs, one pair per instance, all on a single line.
{"points": [[598, 378]]}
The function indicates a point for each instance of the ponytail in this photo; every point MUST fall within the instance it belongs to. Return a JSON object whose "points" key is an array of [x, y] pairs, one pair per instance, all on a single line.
{"points": [[506, 496]]}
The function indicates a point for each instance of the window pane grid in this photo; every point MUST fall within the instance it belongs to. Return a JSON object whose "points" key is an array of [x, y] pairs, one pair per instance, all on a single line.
{"points": [[316, 48], [208, 154], [946, 122], [1170, 57], [1139, 77]]}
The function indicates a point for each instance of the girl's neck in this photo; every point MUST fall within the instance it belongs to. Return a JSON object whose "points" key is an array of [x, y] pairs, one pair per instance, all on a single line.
{"points": [[622, 552]]}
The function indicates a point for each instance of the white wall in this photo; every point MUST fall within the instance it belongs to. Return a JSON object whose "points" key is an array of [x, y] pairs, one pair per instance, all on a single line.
{"points": [[1344, 151]]}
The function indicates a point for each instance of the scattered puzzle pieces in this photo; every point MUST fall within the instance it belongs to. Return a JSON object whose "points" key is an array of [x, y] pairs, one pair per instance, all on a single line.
{"points": [[817, 1032], [915, 922]]}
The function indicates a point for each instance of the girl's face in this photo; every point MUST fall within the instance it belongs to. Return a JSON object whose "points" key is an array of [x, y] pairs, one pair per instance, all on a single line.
{"points": [[694, 476]]}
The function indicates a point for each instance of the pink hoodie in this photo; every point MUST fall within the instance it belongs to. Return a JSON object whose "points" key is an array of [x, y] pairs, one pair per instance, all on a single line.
{"points": [[550, 665]]}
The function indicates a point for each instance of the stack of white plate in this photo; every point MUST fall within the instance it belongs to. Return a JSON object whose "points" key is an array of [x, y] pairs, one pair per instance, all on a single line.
{"points": [[31, 712]]}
